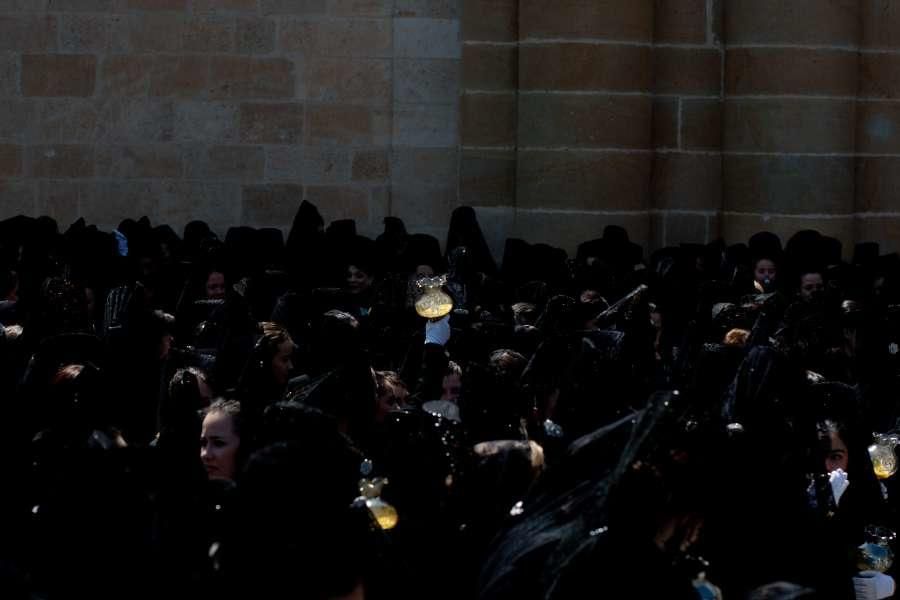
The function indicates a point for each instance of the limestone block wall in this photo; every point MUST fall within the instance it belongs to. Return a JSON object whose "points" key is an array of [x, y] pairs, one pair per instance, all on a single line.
{"points": [[683, 119], [680, 119], [790, 116], [231, 111]]}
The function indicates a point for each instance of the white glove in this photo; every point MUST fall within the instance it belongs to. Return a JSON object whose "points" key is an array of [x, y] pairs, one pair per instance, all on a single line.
{"points": [[438, 332], [839, 484], [872, 585]]}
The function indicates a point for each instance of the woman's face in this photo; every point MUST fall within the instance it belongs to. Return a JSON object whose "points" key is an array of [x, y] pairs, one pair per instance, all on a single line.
{"points": [[811, 287], [219, 445], [837, 454], [215, 286], [282, 362], [765, 271], [450, 388], [358, 281], [424, 271], [389, 399]]}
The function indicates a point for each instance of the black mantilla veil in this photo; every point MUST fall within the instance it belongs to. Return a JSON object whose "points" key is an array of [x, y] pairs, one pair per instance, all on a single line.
{"points": [[567, 513], [464, 231]]}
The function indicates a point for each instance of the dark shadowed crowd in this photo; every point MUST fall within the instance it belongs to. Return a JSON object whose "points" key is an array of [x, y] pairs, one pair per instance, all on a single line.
{"points": [[261, 417]]}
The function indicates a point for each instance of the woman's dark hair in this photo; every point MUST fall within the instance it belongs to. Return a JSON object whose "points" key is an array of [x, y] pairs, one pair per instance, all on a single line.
{"points": [[66, 393], [185, 378], [507, 364], [273, 335], [390, 381], [257, 387], [232, 408]]}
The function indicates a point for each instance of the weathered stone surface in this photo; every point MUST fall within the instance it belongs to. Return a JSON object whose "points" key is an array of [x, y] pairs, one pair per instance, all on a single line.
{"points": [[425, 80], [347, 80], [789, 184], [687, 181], [625, 20], [757, 71], [426, 125], [819, 22], [127, 162], [489, 20], [226, 162], [240, 77], [701, 124], [489, 120], [584, 180], [336, 37], [789, 125], [225, 6], [60, 161], [489, 67], [10, 160], [438, 9], [347, 125], [17, 197], [738, 227], [339, 202], [566, 229], [878, 127], [431, 166], [371, 165], [585, 121], [60, 199], [682, 22], [665, 122], [84, 33], [877, 182], [28, 33], [427, 38], [271, 123], [553, 118], [688, 71], [180, 76], [487, 178], [59, 75], [254, 35], [217, 202], [419, 204], [574, 66], [270, 205], [107, 203]]}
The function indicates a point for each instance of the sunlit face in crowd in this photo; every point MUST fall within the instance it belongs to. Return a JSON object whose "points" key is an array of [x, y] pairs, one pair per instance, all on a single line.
{"points": [[219, 443], [837, 454], [765, 271], [215, 286], [451, 387], [165, 345], [282, 362], [424, 271], [811, 286], [358, 281]]}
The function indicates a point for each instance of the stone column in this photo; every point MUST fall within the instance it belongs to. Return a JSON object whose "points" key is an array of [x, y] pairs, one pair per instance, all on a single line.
{"points": [[490, 74], [791, 79], [878, 125], [584, 141], [687, 119]]}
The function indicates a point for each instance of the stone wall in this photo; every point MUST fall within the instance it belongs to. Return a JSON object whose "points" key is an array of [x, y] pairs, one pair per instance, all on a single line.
{"points": [[231, 111], [684, 119], [679, 119]]}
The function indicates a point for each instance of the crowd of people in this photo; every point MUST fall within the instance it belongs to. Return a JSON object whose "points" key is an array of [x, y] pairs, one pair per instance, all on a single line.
{"points": [[269, 418]]}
